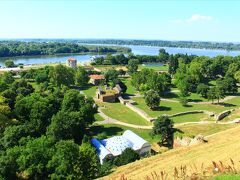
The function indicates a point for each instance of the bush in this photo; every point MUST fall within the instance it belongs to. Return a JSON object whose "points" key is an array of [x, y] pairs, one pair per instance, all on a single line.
{"points": [[126, 157], [9, 63]]}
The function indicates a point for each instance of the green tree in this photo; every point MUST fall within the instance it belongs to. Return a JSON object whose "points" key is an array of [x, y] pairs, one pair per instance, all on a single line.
{"points": [[62, 75], [34, 157], [132, 65], [202, 89], [163, 128], [111, 75], [67, 125], [65, 162], [7, 78], [89, 161], [152, 99], [211, 95], [127, 156], [237, 76], [81, 77], [9, 63]]}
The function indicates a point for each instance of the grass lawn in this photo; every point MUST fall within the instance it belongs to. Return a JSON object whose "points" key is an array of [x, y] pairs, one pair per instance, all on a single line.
{"points": [[107, 67], [194, 97], [173, 107], [124, 114], [184, 131], [191, 130], [190, 118], [130, 88], [89, 90], [113, 130], [98, 117], [156, 68]]}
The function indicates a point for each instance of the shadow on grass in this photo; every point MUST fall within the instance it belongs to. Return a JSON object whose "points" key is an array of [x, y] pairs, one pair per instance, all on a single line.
{"points": [[170, 95], [226, 104], [162, 108], [110, 131], [195, 100]]}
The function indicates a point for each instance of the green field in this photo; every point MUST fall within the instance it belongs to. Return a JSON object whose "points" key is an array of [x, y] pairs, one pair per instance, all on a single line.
{"points": [[107, 67], [156, 68], [174, 107], [130, 88], [193, 96], [98, 117], [190, 118], [113, 130], [183, 131], [89, 90], [124, 114]]}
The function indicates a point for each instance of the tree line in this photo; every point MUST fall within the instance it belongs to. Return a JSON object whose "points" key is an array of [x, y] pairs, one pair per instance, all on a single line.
{"points": [[17, 48], [161, 43]]}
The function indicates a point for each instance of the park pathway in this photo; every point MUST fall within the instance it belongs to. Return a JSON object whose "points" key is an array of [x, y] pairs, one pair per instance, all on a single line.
{"points": [[109, 120]]}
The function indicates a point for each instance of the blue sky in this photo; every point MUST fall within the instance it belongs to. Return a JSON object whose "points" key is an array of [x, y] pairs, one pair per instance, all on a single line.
{"points": [[204, 20]]}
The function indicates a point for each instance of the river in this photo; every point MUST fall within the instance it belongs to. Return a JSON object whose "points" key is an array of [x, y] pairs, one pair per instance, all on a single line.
{"points": [[139, 50]]}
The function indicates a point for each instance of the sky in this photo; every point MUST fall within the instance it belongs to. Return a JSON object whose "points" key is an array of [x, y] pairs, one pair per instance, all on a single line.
{"points": [[197, 20]]}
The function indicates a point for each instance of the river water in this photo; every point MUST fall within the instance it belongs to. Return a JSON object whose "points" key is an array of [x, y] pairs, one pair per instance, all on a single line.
{"points": [[139, 50]]}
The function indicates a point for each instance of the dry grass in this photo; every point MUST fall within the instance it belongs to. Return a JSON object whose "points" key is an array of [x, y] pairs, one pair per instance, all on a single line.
{"points": [[219, 149]]}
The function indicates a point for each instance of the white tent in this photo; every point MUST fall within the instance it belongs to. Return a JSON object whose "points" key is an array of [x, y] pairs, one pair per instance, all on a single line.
{"points": [[114, 146]]}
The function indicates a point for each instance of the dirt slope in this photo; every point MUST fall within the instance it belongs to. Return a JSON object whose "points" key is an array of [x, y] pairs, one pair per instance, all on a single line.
{"points": [[222, 146]]}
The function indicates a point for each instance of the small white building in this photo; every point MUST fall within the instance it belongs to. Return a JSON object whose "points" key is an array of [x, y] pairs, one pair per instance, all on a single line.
{"points": [[114, 146], [71, 62]]}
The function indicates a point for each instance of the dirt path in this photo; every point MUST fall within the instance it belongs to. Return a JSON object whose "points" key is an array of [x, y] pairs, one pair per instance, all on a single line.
{"points": [[109, 120]]}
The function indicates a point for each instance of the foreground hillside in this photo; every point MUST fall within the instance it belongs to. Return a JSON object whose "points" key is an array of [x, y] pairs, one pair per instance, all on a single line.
{"points": [[220, 147]]}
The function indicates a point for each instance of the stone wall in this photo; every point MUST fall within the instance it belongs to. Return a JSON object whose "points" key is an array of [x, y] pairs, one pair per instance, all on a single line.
{"points": [[223, 114]]}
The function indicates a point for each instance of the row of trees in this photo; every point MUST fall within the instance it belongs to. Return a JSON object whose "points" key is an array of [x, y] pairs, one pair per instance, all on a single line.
{"points": [[10, 48], [161, 43], [196, 76], [122, 59]]}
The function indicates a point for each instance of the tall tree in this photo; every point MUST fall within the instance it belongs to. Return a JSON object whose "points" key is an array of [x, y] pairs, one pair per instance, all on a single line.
{"points": [[62, 75], [163, 128], [132, 65], [81, 77], [152, 99]]}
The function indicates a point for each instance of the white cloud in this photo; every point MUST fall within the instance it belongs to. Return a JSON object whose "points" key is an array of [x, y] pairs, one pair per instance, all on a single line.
{"points": [[192, 19], [198, 17]]}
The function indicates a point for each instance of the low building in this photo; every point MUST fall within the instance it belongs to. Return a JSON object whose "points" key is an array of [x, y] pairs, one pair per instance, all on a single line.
{"points": [[71, 62], [114, 146], [96, 79], [108, 95]]}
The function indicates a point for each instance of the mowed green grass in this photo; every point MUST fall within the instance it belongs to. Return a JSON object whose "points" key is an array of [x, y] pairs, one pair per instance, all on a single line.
{"points": [[156, 68], [98, 117], [114, 130], [190, 118], [107, 67], [130, 88], [122, 113], [89, 90], [183, 131], [193, 97], [170, 108]]}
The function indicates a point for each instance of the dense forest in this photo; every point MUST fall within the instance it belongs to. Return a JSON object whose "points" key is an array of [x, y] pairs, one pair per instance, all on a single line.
{"points": [[14, 48], [160, 43]]}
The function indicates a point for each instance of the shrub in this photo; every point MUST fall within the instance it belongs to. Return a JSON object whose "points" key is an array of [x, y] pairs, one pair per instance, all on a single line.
{"points": [[126, 157]]}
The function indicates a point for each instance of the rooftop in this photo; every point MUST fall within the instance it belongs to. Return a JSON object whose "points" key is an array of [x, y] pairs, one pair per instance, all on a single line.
{"points": [[72, 59], [96, 76]]}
